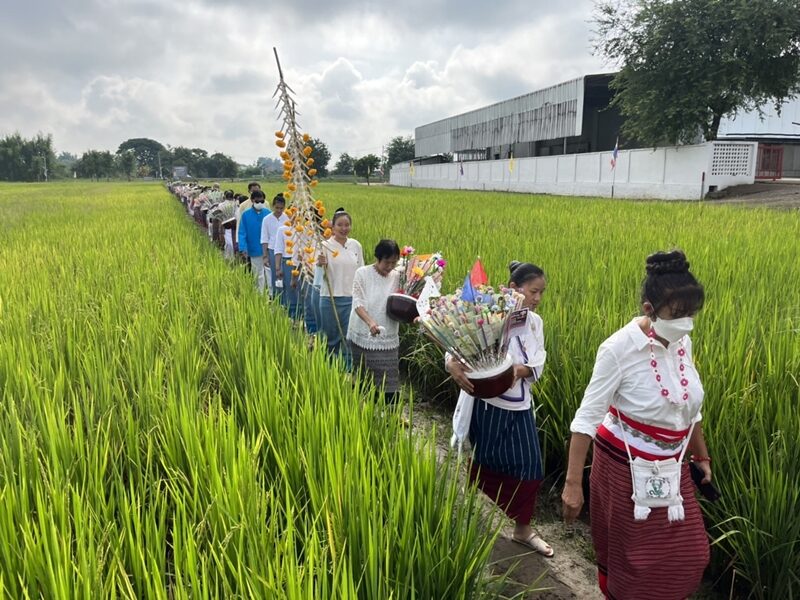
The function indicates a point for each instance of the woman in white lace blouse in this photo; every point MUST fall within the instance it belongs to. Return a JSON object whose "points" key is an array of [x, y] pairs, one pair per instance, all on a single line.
{"points": [[373, 336]]}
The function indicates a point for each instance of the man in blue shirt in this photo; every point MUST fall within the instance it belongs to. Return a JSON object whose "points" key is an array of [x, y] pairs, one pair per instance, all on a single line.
{"points": [[250, 238]]}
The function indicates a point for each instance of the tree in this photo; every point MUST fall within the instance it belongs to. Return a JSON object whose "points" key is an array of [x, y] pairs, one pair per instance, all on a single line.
{"points": [[147, 152], [344, 166], [367, 165], [126, 163], [95, 164], [220, 165], [686, 65], [26, 159], [399, 150], [182, 156], [321, 156]]}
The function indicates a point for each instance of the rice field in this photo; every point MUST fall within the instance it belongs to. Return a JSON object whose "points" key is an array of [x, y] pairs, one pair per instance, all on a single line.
{"points": [[165, 433]]}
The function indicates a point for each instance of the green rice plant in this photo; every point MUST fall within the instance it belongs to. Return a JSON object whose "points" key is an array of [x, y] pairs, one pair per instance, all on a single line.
{"points": [[165, 433], [746, 342]]}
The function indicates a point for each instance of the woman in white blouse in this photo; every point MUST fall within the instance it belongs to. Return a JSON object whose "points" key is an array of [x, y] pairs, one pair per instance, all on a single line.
{"points": [[341, 256], [642, 401], [374, 337], [506, 461]]}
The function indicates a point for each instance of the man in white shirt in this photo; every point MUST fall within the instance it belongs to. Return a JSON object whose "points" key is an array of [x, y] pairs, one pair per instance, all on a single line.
{"points": [[269, 232]]}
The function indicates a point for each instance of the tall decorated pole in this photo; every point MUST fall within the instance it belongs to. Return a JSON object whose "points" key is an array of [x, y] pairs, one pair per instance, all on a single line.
{"points": [[309, 226]]}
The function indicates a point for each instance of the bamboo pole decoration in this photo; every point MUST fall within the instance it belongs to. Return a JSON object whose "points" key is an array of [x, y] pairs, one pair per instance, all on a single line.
{"points": [[309, 226]]}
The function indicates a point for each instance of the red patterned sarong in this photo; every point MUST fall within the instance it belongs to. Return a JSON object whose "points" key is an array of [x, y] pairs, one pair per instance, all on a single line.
{"points": [[652, 559]]}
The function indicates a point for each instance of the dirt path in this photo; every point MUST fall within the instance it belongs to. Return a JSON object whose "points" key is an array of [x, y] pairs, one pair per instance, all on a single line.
{"points": [[569, 575], [783, 194]]}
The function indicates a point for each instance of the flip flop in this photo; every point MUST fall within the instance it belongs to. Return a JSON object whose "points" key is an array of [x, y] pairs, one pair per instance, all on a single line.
{"points": [[535, 542]]}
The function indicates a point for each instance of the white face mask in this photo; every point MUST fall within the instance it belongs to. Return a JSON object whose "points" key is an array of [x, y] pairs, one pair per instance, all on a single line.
{"points": [[673, 329], [258, 205]]}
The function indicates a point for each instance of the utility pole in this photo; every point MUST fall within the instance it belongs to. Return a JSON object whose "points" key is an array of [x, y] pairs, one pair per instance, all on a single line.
{"points": [[160, 175]]}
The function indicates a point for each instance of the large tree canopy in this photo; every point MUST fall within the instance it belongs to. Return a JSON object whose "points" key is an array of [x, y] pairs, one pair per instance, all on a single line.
{"points": [[321, 156], [344, 166], [685, 64], [367, 165], [400, 150], [146, 152]]}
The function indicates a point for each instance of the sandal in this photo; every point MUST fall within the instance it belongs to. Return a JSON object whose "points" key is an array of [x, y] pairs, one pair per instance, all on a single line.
{"points": [[535, 542]]}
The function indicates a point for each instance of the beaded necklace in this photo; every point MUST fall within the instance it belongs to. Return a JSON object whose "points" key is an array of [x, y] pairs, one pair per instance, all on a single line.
{"points": [[665, 393]]}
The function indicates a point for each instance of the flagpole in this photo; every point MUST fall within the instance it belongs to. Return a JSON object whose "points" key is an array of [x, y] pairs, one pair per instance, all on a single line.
{"points": [[614, 158], [613, 179]]}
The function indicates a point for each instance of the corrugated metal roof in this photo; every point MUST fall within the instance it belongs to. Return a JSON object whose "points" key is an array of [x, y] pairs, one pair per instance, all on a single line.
{"points": [[547, 114]]}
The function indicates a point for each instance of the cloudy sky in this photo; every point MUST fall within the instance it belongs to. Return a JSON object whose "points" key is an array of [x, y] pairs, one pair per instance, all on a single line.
{"points": [[201, 73]]}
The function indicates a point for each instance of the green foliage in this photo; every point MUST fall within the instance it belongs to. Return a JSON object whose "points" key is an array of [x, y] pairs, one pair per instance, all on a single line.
{"points": [[399, 150], [146, 152], [746, 340], [345, 164], [366, 166], [687, 64], [321, 156], [165, 432], [95, 164], [24, 159], [126, 163]]}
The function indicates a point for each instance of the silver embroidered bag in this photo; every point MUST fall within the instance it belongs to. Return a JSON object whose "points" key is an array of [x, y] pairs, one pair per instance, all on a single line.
{"points": [[656, 483]]}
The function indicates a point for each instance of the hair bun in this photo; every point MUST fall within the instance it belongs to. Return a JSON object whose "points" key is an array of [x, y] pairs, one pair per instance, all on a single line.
{"points": [[512, 266], [662, 263], [338, 210]]}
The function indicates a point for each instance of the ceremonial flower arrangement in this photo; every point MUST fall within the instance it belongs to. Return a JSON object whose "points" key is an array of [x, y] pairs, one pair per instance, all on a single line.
{"points": [[473, 324], [309, 226], [415, 268]]}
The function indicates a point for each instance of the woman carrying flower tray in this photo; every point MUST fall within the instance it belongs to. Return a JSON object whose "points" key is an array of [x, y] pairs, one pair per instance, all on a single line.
{"points": [[506, 461], [374, 337]]}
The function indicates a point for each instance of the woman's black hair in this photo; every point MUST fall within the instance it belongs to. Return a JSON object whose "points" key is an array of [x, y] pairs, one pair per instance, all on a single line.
{"points": [[670, 283], [257, 195], [279, 199], [522, 273], [340, 212], [387, 249], [228, 194]]}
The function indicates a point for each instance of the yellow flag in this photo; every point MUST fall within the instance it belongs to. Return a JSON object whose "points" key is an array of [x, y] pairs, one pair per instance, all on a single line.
{"points": [[411, 168], [511, 163]]}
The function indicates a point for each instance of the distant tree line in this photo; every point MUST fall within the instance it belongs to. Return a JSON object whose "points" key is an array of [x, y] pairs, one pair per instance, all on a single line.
{"points": [[35, 160]]}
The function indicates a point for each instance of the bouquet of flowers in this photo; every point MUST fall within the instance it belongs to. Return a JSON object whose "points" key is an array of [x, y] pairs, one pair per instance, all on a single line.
{"points": [[414, 269], [474, 324]]}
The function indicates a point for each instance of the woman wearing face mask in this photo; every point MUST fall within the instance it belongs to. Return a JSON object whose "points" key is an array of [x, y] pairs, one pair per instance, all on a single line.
{"points": [[506, 460], [250, 238], [644, 401], [374, 337], [341, 256]]}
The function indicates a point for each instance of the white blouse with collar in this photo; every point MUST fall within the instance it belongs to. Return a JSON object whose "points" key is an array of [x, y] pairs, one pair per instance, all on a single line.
{"points": [[624, 377]]}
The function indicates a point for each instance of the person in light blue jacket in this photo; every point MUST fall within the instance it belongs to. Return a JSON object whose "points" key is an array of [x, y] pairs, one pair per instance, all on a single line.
{"points": [[250, 238]]}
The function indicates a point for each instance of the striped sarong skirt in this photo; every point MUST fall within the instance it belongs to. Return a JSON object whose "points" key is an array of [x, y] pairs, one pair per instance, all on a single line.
{"points": [[506, 461], [652, 559], [382, 365]]}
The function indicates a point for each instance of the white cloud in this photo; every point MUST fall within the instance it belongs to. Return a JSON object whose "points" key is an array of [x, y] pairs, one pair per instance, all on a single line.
{"points": [[202, 73]]}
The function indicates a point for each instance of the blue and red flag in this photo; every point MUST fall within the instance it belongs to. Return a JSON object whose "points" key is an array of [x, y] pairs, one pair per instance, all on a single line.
{"points": [[614, 155]]}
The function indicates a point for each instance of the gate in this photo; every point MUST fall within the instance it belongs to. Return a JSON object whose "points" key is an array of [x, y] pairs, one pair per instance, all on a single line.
{"points": [[770, 162]]}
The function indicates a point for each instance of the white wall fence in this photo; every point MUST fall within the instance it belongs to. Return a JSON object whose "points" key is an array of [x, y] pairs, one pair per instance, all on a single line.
{"points": [[671, 173]]}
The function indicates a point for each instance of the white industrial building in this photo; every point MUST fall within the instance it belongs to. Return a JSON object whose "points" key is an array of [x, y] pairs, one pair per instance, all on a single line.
{"points": [[560, 139]]}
